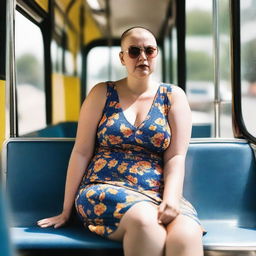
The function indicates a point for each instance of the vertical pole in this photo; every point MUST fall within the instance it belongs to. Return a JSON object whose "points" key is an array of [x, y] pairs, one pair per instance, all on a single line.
{"points": [[10, 67], [216, 43]]}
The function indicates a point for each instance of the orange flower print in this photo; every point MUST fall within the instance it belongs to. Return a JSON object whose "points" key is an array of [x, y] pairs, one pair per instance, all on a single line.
{"points": [[163, 89], [81, 210], [166, 143], [93, 178], [88, 212], [112, 163], [103, 119], [134, 169], [152, 127], [90, 193], [115, 139], [139, 141], [158, 170], [117, 213], [110, 122], [97, 229], [126, 131], [104, 143], [139, 132], [109, 230], [153, 183], [118, 105], [144, 164], [160, 121], [112, 191], [112, 103], [157, 139], [122, 167], [132, 179], [99, 209], [102, 132], [102, 196], [99, 164], [115, 116]]}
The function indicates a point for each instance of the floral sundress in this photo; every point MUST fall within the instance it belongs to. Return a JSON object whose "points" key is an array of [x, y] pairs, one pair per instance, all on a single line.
{"points": [[127, 166]]}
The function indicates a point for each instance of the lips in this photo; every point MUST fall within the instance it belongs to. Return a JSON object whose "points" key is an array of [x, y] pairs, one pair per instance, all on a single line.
{"points": [[142, 66]]}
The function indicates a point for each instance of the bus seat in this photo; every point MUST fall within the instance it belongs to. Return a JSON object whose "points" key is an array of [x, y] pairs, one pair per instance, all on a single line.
{"points": [[64, 129], [220, 182], [5, 245], [201, 130], [68, 130]]}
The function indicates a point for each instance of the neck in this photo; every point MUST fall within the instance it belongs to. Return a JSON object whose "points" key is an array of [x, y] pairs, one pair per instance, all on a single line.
{"points": [[138, 86]]}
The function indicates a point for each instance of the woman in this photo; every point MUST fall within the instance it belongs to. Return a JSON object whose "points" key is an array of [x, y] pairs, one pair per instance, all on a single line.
{"points": [[132, 188]]}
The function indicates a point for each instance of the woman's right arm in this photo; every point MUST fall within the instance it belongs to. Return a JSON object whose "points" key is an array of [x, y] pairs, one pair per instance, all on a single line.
{"points": [[90, 115]]}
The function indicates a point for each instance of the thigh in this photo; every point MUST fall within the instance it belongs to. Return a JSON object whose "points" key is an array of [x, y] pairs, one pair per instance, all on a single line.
{"points": [[141, 213], [184, 227]]}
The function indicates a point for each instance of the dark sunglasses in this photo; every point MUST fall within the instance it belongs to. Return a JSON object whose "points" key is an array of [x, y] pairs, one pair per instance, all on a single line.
{"points": [[135, 51]]}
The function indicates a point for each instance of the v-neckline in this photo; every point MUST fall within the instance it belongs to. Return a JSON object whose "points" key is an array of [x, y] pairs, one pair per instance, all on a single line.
{"points": [[149, 111]]}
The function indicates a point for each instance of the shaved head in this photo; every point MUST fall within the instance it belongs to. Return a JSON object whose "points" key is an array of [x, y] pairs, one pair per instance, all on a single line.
{"points": [[127, 32]]}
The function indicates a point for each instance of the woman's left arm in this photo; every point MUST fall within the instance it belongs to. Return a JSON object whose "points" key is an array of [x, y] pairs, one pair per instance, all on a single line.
{"points": [[179, 118]]}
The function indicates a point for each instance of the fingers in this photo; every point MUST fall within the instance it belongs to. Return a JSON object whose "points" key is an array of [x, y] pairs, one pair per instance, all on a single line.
{"points": [[48, 222], [166, 213]]}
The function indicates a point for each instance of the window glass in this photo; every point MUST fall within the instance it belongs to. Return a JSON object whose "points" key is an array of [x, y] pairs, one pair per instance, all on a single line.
{"points": [[199, 50], [248, 63], [200, 64], [103, 64], [30, 75]]}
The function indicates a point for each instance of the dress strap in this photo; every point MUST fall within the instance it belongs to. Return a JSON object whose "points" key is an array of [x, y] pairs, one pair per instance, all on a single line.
{"points": [[112, 98], [166, 92]]}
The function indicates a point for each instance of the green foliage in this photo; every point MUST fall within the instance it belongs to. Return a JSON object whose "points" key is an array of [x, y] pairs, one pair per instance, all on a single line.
{"points": [[199, 66], [199, 22], [29, 71]]}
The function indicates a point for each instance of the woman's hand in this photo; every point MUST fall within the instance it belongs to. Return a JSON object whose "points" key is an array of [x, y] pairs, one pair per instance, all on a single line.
{"points": [[56, 221], [168, 211]]}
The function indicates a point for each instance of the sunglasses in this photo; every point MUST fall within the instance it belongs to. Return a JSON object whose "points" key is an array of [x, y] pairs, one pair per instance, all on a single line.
{"points": [[135, 51]]}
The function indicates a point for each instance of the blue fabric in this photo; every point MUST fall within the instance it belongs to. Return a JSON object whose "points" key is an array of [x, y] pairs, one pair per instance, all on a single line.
{"points": [[127, 166]]}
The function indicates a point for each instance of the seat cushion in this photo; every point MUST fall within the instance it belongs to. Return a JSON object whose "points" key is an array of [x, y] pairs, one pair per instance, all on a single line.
{"points": [[61, 238], [227, 235]]}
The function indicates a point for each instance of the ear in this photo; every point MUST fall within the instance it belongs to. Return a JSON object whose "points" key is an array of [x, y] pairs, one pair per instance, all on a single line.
{"points": [[121, 56]]}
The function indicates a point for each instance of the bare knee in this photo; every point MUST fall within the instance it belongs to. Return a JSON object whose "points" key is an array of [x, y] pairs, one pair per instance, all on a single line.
{"points": [[184, 234], [142, 215]]}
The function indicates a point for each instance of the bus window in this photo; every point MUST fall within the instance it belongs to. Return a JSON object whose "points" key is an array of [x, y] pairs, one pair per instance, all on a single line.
{"points": [[200, 64], [248, 63], [103, 64], [30, 75]]}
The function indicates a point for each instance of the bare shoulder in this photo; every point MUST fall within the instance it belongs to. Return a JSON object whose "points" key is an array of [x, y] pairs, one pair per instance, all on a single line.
{"points": [[177, 92], [97, 95], [178, 99]]}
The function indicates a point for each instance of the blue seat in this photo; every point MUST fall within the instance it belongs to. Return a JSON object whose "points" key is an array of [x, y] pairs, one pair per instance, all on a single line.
{"points": [[68, 130], [5, 245], [220, 182]]}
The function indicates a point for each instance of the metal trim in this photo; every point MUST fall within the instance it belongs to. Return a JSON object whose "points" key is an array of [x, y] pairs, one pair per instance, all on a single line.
{"points": [[216, 54], [10, 67]]}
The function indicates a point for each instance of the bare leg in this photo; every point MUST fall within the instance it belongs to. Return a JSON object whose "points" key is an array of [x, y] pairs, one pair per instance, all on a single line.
{"points": [[184, 237], [140, 232]]}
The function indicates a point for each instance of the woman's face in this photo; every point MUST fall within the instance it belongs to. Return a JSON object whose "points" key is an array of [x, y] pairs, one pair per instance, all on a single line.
{"points": [[142, 66]]}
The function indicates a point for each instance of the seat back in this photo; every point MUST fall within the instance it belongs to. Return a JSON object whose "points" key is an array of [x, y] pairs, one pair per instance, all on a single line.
{"points": [[5, 245], [220, 179]]}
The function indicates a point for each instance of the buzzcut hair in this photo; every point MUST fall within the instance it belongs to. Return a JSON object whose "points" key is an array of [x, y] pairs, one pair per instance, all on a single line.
{"points": [[126, 33]]}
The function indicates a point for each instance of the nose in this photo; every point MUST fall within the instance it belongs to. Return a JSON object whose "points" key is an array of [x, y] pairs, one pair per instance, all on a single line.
{"points": [[142, 54]]}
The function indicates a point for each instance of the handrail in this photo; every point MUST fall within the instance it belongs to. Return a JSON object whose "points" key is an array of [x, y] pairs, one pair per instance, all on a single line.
{"points": [[216, 43], [10, 67]]}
